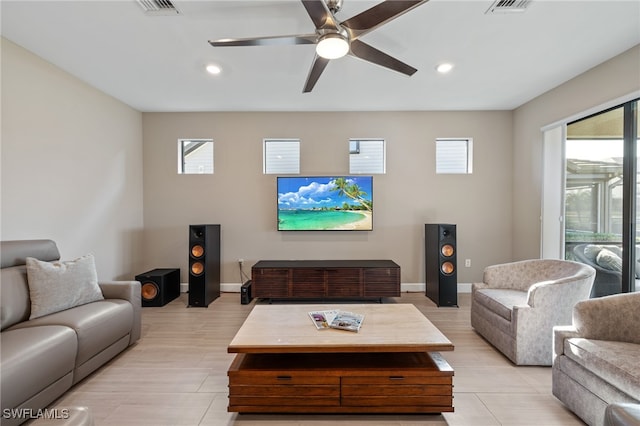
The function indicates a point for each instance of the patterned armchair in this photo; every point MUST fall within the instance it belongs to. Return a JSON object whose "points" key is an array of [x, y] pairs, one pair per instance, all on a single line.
{"points": [[517, 305]]}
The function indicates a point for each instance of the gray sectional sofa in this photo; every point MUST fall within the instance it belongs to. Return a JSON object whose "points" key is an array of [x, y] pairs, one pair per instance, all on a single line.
{"points": [[597, 358], [43, 357]]}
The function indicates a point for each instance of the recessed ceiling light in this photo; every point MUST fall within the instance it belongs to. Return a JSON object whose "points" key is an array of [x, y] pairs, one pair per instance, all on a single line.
{"points": [[444, 68], [213, 69]]}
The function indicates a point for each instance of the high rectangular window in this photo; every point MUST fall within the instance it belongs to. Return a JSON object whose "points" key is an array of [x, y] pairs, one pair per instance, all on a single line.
{"points": [[281, 156], [367, 156], [195, 156], [454, 156]]}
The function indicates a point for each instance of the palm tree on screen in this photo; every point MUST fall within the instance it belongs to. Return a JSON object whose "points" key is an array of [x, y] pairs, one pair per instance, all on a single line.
{"points": [[352, 191]]}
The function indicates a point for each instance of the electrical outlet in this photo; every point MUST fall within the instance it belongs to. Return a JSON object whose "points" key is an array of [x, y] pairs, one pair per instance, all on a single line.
{"points": [[467, 263]]}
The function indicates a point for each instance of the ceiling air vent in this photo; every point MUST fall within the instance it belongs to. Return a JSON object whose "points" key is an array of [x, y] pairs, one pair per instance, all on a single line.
{"points": [[508, 6], [158, 7]]}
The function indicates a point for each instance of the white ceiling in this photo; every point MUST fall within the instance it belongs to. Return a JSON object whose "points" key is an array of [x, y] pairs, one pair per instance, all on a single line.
{"points": [[156, 63]]}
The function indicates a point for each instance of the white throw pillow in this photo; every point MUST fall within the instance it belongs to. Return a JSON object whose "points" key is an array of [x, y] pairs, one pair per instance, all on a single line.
{"points": [[60, 285], [608, 260]]}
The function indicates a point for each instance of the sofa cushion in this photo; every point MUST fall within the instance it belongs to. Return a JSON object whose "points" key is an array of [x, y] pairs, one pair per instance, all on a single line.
{"points": [[60, 285], [33, 359], [14, 303], [15, 253], [500, 301], [614, 362], [591, 252], [97, 325]]}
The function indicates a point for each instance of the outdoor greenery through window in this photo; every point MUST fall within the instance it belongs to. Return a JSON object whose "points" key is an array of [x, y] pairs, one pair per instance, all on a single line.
{"points": [[195, 156]]}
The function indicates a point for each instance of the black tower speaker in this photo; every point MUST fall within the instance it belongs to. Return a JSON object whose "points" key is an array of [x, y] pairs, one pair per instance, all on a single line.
{"points": [[159, 286], [204, 264], [441, 266]]}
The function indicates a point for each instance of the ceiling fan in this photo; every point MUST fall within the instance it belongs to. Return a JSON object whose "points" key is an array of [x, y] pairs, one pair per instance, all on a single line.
{"points": [[334, 39]]}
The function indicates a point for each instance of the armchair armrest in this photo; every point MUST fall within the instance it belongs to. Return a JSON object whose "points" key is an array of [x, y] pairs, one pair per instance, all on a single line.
{"points": [[567, 291], [129, 291], [560, 334]]}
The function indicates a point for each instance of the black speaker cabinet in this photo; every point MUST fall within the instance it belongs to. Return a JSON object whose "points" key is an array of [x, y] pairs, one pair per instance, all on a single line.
{"points": [[245, 293], [204, 264], [441, 266], [159, 286]]}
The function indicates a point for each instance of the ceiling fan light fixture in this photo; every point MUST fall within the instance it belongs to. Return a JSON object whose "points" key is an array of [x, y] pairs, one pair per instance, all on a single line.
{"points": [[332, 46]]}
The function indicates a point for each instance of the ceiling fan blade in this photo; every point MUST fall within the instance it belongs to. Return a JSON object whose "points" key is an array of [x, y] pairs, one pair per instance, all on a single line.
{"points": [[319, 64], [378, 15], [320, 14], [369, 53], [266, 41]]}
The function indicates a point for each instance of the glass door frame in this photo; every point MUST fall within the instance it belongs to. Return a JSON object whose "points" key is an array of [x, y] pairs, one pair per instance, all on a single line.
{"points": [[629, 185]]}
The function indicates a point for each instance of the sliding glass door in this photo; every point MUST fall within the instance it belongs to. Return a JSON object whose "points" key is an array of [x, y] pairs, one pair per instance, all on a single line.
{"points": [[600, 197]]}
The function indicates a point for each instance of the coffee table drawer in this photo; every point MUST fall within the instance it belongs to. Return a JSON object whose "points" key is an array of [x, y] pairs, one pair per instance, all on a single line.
{"points": [[291, 390], [284, 395], [283, 379], [397, 391]]}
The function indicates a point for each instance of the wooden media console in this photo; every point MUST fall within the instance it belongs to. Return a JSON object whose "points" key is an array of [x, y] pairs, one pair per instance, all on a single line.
{"points": [[319, 279]]}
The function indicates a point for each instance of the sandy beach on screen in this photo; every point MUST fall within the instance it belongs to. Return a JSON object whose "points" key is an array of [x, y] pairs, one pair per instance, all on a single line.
{"points": [[364, 224]]}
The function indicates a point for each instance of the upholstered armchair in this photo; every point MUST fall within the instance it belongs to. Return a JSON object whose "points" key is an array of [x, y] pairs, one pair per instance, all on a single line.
{"points": [[517, 305], [596, 372]]}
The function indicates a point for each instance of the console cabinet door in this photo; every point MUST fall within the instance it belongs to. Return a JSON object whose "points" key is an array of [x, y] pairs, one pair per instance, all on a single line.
{"points": [[381, 282], [344, 282], [270, 283], [307, 282]]}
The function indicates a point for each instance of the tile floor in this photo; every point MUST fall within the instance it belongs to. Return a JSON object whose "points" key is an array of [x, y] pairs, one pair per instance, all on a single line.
{"points": [[176, 375]]}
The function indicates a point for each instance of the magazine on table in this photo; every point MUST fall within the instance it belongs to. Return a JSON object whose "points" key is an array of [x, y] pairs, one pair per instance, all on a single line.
{"points": [[322, 319], [342, 320]]}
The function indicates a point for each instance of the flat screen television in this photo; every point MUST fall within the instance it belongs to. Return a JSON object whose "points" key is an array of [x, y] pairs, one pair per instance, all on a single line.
{"points": [[325, 203]]}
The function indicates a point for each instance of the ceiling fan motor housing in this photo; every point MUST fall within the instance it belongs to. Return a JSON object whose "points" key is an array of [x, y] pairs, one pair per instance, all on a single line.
{"points": [[334, 5]]}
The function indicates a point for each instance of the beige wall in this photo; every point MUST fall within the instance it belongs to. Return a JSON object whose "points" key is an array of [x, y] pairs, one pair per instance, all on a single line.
{"points": [[72, 156], [243, 200], [611, 80], [71, 164]]}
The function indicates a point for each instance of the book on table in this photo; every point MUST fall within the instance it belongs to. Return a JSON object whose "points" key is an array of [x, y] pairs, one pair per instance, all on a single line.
{"points": [[343, 320]]}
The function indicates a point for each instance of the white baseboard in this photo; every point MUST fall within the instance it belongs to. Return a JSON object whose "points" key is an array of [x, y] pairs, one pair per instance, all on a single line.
{"points": [[420, 287], [404, 287]]}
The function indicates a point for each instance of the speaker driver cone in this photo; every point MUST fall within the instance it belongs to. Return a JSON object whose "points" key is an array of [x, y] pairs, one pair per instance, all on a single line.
{"points": [[447, 268], [149, 291], [197, 268], [197, 251], [447, 250]]}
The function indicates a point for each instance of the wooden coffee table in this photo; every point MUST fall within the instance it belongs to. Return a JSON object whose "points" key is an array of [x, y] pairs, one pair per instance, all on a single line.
{"points": [[392, 365]]}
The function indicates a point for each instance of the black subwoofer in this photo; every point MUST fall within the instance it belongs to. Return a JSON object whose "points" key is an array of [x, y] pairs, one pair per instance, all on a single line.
{"points": [[245, 293], [441, 265], [204, 264], [159, 286]]}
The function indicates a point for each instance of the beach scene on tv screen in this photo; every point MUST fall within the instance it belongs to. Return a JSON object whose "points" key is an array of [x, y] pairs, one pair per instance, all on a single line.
{"points": [[341, 203]]}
